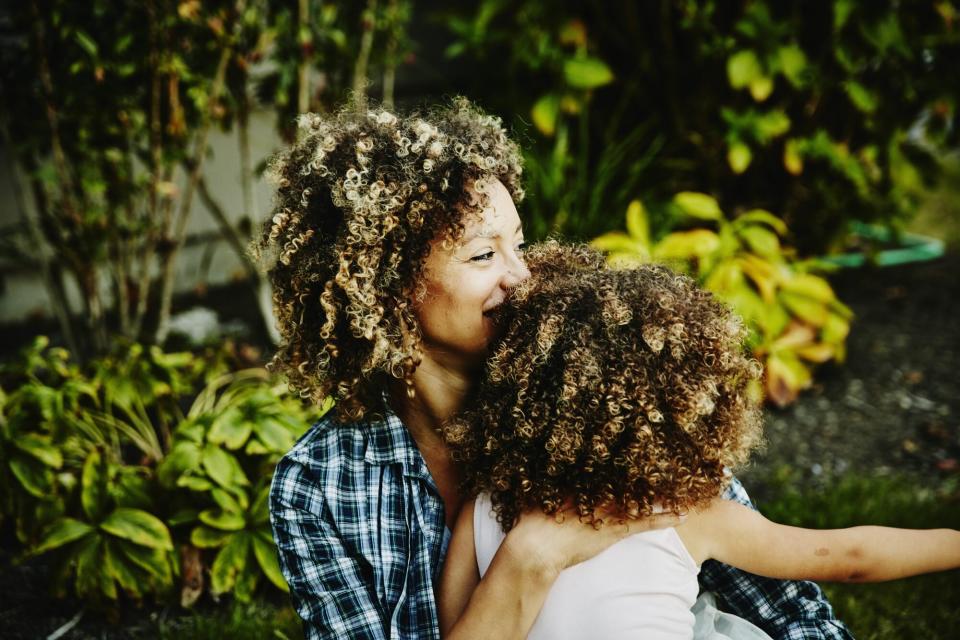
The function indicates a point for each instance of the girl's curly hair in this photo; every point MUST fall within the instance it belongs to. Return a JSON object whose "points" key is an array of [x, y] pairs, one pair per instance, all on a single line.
{"points": [[360, 198], [621, 390]]}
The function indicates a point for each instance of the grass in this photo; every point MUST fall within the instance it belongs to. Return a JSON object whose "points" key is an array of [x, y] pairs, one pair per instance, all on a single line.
{"points": [[254, 621], [920, 607]]}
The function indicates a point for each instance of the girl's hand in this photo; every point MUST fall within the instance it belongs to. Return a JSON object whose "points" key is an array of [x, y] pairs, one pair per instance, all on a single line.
{"points": [[550, 544]]}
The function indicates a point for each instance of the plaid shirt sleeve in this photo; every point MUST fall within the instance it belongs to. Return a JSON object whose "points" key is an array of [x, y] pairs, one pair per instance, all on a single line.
{"points": [[327, 584], [785, 609]]}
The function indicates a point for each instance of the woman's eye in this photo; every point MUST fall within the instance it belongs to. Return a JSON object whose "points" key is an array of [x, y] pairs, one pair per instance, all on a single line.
{"points": [[521, 247], [483, 257]]}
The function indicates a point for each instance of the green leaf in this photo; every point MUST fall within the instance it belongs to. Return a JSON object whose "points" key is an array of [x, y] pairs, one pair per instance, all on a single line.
{"points": [[841, 12], [182, 516], [273, 434], [761, 241], [89, 566], [93, 486], [743, 67], [226, 501], [119, 568], [184, 457], [793, 63], [195, 483], [638, 224], [811, 286], [223, 520], [36, 478], [861, 97], [63, 531], [761, 88], [786, 376], [86, 42], [698, 205], [695, 243], [616, 241], [230, 429], [266, 554], [761, 216], [153, 561], [260, 510], [739, 157], [835, 330], [139, 527], [255, 448], [587, 73], [222, 467], [770, 125], [545, 113], [131, 488], [41, 448], [207, 538], [805, 308], [231, 560], [246, 583], [725, 276], [792, 158]]}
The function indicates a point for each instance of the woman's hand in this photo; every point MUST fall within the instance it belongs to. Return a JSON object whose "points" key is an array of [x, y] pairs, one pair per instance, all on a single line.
{"points": [[550, 544]]}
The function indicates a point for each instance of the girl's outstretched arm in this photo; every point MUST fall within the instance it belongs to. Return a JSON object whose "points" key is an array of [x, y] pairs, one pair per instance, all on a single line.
{"points": [[738, 536]]}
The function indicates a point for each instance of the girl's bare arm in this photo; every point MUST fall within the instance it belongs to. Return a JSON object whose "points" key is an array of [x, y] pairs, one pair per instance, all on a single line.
{"points": [[743, 538]]}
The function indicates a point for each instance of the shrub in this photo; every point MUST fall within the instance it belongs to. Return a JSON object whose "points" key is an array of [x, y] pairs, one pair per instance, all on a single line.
{"points": [[102, 470], [794, 316]]}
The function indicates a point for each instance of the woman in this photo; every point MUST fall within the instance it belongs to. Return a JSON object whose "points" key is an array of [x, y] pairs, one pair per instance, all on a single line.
{"points": [[392, 241]]}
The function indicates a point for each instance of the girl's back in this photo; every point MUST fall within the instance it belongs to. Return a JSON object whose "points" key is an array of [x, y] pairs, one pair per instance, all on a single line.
{"points": [[641, 587]]}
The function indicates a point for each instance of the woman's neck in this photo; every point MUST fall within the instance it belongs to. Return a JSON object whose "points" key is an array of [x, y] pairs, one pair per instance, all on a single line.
{"points": [[439, 393]]}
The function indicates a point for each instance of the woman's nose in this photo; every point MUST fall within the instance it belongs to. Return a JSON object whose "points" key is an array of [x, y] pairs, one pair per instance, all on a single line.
{"points": [[517, 272]]}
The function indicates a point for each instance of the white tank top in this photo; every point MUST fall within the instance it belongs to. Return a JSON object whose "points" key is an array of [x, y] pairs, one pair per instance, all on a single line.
{"points": [[640, 587]]}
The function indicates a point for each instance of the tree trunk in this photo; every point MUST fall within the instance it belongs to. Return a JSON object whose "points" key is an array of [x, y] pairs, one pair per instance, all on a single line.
{"points": [[196, 160], [306, 48], [369, 25]]}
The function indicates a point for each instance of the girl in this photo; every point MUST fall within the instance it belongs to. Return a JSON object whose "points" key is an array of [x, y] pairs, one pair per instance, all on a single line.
{"points": [[620, 394]]}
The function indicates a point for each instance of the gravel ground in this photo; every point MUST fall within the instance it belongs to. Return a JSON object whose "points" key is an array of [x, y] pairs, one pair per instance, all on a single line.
{"points": [[894, 406]]}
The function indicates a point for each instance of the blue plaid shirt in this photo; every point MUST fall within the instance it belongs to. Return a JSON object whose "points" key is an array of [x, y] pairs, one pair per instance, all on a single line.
{"points": [[359, 525]]}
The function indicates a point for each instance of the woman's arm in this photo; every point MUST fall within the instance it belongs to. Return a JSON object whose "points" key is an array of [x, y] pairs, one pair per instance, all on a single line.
{"points": [[506, 602], [329, 586], [460, 574], [737, 535]]}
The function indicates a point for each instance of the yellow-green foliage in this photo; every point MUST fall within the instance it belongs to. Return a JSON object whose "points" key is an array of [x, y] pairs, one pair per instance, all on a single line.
{"points": [[795, 318]]}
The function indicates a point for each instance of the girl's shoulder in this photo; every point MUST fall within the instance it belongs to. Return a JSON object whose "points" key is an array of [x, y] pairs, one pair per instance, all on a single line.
{"points": [[700, 527]]}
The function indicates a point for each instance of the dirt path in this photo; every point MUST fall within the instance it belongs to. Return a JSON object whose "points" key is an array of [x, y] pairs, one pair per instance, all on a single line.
{"points": [[894, 406]]}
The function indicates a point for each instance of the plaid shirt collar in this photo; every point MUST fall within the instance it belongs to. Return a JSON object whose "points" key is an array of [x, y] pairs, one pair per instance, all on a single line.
{"points": [[389, 442]]}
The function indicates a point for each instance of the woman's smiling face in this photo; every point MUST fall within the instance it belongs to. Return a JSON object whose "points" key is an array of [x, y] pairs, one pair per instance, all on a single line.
{"points": [[464, 283]]}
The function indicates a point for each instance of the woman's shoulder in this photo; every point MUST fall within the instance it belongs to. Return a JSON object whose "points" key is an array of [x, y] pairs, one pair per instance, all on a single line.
{"points": [[328, 441]]}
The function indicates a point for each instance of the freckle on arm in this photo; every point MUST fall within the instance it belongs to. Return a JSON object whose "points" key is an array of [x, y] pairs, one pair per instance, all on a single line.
{"points": [[822, 551]]}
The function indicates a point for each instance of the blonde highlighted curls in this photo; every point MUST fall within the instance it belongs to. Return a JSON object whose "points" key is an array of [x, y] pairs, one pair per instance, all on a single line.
{"points": [[621, 390], [359, 201]]}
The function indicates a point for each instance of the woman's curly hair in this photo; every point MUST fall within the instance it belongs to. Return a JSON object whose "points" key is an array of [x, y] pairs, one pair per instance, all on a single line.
{"points": [[360, 198], [625, 391]]}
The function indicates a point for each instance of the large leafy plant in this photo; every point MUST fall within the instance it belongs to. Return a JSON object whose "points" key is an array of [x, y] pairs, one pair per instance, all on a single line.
{"points": [[104, 471], [795, 318], [114, 539]]}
